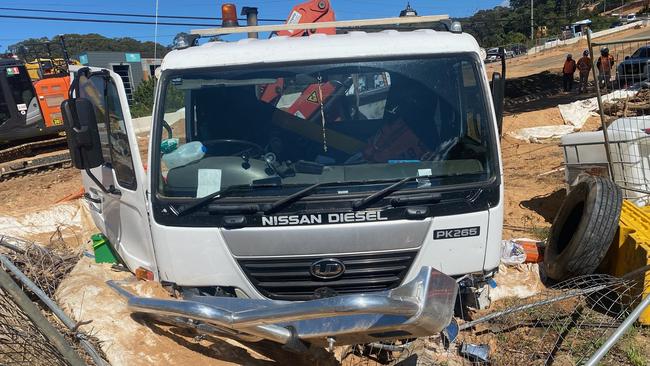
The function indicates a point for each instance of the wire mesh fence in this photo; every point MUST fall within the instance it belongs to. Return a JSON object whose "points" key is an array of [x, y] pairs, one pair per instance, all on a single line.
{"points": [[32, 332], [21, 342], [563, 325]]}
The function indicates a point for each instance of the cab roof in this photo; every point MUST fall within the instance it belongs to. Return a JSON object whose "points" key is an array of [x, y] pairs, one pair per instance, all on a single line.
{"points": [[352, 45]]}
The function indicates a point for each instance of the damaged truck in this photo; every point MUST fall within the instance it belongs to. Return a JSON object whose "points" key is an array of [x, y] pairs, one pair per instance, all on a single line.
{"points": [[322, 190]]}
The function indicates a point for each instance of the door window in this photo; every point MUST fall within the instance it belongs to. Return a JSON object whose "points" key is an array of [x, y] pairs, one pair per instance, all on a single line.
{"points": [[21, 86], [102, 92]]}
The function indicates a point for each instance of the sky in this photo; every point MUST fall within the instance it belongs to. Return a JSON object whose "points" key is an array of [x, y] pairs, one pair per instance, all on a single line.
{"points": [[15, 30]]}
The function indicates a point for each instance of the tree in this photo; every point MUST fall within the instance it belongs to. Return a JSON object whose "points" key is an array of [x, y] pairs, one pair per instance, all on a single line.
{"points": [[143, 98], [79, 43]]}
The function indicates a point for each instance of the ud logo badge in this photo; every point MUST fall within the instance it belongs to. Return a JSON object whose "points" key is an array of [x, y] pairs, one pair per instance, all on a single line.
{"points": [[327, 269]]}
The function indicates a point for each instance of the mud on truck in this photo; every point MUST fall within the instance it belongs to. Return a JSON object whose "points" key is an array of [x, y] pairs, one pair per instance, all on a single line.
{"points": [[320, 190]]}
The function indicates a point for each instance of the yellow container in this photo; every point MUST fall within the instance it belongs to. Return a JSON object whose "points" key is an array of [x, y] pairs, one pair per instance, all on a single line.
{"points": [[631, 248]]}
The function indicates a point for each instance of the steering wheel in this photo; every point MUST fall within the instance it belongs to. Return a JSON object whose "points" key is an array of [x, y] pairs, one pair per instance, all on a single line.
{"points": [[251, 145]]}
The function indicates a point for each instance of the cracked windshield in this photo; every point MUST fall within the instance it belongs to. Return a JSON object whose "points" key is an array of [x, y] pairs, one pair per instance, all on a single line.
{"points": [[349, 122]]}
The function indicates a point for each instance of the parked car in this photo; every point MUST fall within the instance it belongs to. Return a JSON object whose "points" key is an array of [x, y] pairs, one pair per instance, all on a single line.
{"points": [[631, 18], [634, 68], [492, 55], [616, 24]]}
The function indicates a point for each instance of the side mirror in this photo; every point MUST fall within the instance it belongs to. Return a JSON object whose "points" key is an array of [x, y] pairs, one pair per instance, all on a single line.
{"points": [[498, 98], [82, 133]]}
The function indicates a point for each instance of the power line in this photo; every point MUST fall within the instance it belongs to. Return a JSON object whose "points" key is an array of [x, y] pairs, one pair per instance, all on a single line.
{"points": [[139, 22], [89, 20], [128, 15], [94, 38]]}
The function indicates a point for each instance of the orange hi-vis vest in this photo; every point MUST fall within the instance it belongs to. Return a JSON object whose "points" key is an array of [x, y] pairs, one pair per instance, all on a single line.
{"points": [[569, 67], [606, 63], [584, 64]]}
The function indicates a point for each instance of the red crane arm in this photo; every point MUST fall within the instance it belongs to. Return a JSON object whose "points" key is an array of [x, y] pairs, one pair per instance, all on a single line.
{"points": [[312, 11]]}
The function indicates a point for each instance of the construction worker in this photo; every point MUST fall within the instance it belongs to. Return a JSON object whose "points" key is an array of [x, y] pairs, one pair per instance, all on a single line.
{"points": [[567, 73], [584, 67], [605, 64]]}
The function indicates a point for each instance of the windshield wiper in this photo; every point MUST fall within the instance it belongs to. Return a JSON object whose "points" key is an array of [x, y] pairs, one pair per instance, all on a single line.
{"points": [[212, 196], [386, 191], [283, 202], [275, 206]]}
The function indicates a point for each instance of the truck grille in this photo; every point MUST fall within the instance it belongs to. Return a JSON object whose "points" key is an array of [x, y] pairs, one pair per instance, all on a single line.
{"points": [[291, 279]]}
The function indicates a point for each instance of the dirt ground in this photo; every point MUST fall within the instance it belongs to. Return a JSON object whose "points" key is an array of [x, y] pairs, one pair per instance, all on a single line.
{"points": [[533, 174], [34, 192]]}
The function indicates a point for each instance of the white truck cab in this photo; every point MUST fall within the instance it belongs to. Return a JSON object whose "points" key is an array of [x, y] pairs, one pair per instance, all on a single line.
{"points": [[342, 183]]}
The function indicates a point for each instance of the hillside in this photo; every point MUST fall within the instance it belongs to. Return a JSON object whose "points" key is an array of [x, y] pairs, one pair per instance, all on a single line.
{"points": [[505, 25], [79, 43]]}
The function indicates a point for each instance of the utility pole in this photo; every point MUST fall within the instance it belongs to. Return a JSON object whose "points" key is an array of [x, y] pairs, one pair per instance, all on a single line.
{"points": [[532, 23]]}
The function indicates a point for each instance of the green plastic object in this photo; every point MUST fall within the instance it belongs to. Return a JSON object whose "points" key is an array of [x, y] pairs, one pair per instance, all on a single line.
{"points": [[102, 249], [168, 145]]}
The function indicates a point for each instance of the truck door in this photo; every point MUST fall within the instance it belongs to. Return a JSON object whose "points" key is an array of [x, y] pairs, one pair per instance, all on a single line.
{"points": [[121, 213]]}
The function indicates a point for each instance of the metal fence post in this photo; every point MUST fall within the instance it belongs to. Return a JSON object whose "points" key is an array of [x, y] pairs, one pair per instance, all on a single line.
{"points": [[601, 110], [620, 331]]}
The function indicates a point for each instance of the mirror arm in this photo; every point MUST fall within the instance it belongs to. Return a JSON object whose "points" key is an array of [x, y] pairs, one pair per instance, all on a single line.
{"points": [[498, 98], [110, 190]]}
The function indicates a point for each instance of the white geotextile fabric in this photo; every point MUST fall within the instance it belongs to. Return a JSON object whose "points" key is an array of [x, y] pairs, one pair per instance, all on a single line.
{"points": [[541, 134], [577, 113]]}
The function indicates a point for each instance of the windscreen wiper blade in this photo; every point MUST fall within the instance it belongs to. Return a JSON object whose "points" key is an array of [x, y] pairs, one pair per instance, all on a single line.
{"points": [[363, 203], [275, 206], [205, 200]]}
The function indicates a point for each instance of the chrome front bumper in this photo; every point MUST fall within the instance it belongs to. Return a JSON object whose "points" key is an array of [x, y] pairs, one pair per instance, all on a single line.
{"points": [[421, 307]]}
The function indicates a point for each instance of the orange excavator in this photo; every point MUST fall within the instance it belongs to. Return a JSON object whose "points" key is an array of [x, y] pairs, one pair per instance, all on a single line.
{"points": [[31, 108], [30, 112]]}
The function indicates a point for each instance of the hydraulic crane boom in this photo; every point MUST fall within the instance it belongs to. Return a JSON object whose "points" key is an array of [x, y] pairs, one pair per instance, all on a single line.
{"points": [[312, 11]]}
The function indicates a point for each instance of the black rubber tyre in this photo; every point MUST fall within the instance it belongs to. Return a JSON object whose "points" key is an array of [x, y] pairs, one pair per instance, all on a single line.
{"points": [[583, 229]]}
